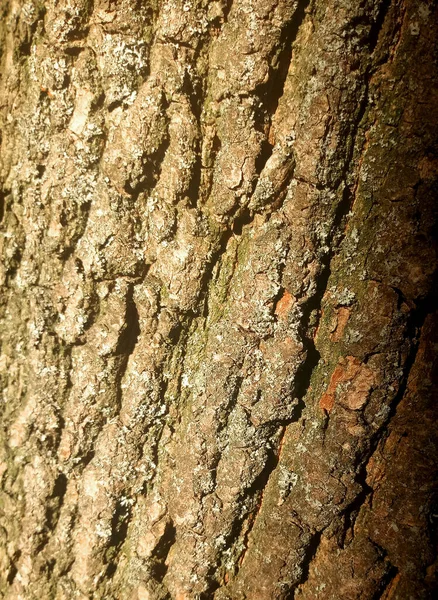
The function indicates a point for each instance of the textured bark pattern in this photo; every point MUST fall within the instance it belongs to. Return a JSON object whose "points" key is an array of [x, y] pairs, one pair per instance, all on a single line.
{"points": [[219, 345]]}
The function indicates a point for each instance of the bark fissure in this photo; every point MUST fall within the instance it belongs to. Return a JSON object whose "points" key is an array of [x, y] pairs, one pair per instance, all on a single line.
{"points": [[272, 91]]}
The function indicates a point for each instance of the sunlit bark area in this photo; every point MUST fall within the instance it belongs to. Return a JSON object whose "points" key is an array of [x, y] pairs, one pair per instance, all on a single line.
{"points": [[219, 339]]}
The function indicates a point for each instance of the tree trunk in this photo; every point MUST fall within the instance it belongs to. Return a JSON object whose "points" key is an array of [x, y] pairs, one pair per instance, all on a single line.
{"points": [[219, 361]]}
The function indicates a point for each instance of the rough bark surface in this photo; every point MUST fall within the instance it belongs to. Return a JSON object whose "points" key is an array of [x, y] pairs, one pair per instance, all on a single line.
{"points": [[219, 360]]}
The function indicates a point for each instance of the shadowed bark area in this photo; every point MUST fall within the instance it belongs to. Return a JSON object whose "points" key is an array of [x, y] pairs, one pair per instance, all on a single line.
{"points": [[218, 313]]}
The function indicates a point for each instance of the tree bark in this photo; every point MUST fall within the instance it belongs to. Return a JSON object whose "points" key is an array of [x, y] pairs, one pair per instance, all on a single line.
{"points": [[219, 360]]}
